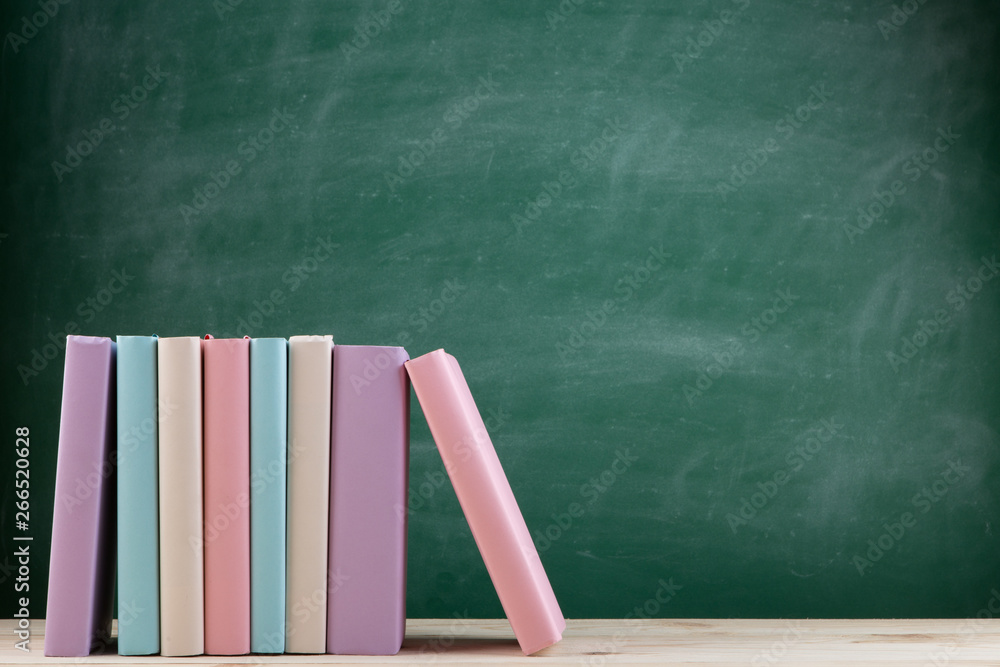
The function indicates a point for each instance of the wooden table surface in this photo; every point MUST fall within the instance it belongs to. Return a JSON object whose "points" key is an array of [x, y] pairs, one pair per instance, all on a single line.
{"points": [[934, 643]]}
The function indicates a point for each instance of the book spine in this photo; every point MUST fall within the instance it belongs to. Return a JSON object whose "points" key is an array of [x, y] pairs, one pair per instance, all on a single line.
{"points": [[268, 460], [81, 565], [138, 520], [368, 486], [182, 573], [227, 496], [309, 383], [487, 500]]}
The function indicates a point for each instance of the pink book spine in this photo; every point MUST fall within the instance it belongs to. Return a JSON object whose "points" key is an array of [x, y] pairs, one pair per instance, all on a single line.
{"points": [[487, 500], [227, 496]]}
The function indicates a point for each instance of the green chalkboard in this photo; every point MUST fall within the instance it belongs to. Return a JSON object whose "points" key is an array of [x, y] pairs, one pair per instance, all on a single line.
{"points": [[722, 276]]}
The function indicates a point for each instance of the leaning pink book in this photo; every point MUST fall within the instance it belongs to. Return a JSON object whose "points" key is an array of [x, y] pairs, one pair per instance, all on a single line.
{"points": [[487, 500], [226, 383]]}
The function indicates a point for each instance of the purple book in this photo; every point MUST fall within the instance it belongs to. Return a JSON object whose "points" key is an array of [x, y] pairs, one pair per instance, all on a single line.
{"points": [[369, 463], [82, 561]]}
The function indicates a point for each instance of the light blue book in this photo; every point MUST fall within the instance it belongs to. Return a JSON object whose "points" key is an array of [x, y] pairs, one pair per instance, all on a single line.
{"points": [[268, 464], [138, 525]]}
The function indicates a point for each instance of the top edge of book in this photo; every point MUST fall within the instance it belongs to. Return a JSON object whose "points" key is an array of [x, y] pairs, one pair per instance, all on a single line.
{"points": [[89, 340], [430, 355]]}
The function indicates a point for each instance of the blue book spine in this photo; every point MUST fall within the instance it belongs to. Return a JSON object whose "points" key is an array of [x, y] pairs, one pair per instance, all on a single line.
{"points": [[138, 525], [268, 464]]}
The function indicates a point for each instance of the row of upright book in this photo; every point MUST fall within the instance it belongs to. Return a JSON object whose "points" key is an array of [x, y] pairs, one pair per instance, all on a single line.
{"points": [[254, 495]]}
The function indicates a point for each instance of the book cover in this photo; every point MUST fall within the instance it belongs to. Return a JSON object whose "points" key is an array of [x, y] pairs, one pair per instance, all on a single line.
{"points": [[487, 500], [369, 459], [268, 461], [227, 495], [138, 501], [82, 557], [310, 366], [182, 567]]}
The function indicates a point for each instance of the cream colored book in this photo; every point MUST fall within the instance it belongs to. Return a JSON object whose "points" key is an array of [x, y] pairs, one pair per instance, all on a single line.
{"points": [[310, 368], [182, 588]]}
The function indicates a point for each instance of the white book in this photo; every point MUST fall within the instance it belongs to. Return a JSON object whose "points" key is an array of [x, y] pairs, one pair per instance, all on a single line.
{"points": [[182, 588], [310, 369]]}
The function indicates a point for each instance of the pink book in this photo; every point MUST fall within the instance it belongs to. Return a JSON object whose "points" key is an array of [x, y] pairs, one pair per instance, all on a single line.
{"points": [[227, 495], [487, 500]]}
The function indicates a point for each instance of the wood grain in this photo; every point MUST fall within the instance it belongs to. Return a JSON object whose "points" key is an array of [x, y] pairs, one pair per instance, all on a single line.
{"points": [[599, 642]]}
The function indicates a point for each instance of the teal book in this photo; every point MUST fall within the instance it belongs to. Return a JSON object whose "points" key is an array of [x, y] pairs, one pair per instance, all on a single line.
{"points": [[138, 525], [268, 464]]}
